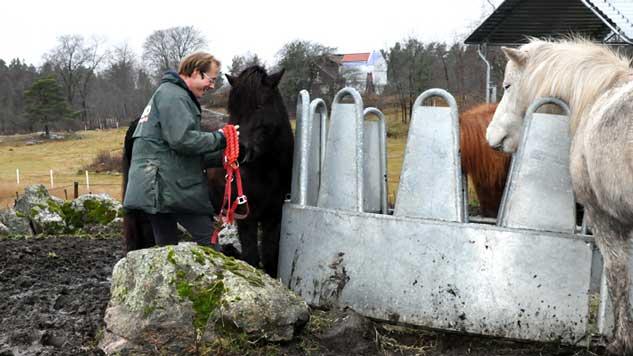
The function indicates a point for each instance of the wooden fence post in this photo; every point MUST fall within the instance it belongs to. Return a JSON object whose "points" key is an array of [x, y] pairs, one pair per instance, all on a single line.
{"points": [[76, 192]]}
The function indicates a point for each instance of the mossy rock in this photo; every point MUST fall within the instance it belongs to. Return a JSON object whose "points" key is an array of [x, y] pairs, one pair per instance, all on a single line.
{"points": [[47, 222], [94, 209], [191, 293], [16, 222], [34, 196]]}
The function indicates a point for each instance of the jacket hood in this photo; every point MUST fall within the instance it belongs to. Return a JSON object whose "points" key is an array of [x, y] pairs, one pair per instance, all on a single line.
{"points": [[171, 76]]}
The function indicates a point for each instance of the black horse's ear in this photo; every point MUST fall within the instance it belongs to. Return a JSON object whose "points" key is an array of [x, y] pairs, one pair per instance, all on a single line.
{"points": [[273, 79], [231, 79]]}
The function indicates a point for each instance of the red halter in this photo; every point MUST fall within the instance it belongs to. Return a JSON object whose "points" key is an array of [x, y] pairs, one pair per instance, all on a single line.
{"points": [[232, 167]]}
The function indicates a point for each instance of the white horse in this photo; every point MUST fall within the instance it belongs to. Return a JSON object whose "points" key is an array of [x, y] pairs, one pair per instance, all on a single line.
{"points": [[598, 85]]}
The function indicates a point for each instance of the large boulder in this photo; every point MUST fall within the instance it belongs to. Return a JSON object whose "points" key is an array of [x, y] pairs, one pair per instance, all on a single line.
{"points": [[92, 213], [37, 205], [35, 196], [46, 221], [16, 223], [178, 299], [92, 209]]}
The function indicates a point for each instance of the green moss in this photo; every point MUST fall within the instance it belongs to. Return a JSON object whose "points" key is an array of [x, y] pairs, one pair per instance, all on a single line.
{"points": [[98, 211], [34, 211], [198, 256], [41, 191], [94, 212], [171, 255], [205, 296], [205, 299], [250, 274], [120, 294], [72, 220], [149, 309], [253, 276]]}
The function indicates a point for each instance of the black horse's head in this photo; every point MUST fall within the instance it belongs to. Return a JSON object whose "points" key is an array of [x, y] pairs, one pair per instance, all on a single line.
{"points": [[256, 104], [251, 90]]}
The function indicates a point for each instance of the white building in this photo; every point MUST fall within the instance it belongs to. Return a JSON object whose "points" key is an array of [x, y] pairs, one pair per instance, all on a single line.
{"points": [[367, 72]]}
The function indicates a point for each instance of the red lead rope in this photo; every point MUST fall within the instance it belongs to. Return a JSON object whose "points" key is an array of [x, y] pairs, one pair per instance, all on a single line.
{"points": [[232, 167]]}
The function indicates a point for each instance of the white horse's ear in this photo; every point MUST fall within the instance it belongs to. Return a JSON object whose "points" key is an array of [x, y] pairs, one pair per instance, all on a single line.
{"points": [[515, 55]]}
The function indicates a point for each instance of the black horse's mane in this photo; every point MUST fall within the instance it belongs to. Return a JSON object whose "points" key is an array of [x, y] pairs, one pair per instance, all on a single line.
{"points": [[253, 90]]}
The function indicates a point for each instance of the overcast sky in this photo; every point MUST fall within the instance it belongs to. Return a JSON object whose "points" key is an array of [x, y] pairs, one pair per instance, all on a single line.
{"points": [[29, 29]]}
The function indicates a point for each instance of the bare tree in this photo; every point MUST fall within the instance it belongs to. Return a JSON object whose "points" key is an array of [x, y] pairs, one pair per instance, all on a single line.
{"points": [[94, 57], [75, 62], [164, 49], [119, 99]]}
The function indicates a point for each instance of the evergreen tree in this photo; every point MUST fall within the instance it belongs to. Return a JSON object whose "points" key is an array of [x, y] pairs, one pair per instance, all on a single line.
{"points": [[45, 103]]}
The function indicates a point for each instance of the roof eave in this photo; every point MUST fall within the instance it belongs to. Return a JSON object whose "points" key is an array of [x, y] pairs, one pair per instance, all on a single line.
{"points": [[494, 30]]}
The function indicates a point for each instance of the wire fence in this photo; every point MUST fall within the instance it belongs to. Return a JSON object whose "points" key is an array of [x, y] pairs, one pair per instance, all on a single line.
{"points": [[64, 186]]}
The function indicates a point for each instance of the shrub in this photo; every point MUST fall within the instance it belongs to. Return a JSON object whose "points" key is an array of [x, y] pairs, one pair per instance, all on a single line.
{"points": [[105, 162]]}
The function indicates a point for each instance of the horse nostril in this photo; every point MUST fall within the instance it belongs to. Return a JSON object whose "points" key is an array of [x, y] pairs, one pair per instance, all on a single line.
{"points": [[493, 142], [498, 146]]}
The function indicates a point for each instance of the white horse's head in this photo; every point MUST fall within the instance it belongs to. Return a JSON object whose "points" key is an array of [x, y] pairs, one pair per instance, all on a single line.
{"points": [[504, 131], [573, 70]]}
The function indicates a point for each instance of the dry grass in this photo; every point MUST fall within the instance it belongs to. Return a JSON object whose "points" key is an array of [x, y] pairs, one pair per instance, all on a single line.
{"points": [[64, 157], [396, 143]]}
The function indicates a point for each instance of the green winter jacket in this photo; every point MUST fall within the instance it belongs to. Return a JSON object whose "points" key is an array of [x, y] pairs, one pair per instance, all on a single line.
{"points": [[170, 152]]}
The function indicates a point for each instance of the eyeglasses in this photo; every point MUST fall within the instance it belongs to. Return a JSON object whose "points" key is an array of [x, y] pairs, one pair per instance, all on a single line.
{"points": [[211, 80]]}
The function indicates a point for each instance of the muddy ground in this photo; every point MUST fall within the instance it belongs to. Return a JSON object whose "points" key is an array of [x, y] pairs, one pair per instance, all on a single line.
{"points": [[54, 291]]}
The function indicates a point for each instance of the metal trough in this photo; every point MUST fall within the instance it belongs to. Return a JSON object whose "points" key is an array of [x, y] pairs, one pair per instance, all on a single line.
{"points": [[435, 270]]}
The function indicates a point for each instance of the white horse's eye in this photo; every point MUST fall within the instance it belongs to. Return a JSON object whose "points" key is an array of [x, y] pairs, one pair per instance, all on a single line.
{"points": [[506, 86]]}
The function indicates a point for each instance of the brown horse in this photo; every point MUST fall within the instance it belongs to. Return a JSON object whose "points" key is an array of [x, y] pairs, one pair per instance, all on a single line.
{"points": [[486, 167]]}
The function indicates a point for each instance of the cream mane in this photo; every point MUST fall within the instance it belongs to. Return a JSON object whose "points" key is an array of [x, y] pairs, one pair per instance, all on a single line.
{"points": [[575, 70]]}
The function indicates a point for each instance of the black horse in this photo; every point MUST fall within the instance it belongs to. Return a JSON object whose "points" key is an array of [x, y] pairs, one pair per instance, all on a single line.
{"points": [[266, 138], [266, 145]]}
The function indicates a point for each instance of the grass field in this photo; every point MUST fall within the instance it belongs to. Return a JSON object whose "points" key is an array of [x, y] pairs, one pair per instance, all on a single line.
{"points": [[67, 158]]}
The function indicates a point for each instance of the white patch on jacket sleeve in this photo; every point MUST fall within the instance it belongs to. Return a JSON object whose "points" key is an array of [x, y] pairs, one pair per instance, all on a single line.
{"points": [[145, 115]]}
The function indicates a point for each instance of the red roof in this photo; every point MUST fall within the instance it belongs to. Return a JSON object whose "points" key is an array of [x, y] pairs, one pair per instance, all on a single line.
{"points": [[356, 57]]}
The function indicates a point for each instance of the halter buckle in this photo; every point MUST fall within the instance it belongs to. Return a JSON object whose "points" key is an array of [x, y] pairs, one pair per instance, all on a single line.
{"points": [[241, 199]]}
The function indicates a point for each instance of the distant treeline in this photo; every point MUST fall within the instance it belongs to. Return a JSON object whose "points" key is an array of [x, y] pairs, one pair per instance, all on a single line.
{"points": [[82, 84]]}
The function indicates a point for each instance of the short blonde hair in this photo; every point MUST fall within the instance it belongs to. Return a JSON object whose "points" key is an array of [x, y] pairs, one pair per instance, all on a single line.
{"points": [[202, 61]]}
